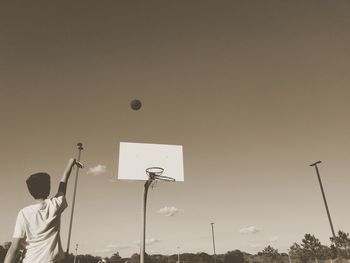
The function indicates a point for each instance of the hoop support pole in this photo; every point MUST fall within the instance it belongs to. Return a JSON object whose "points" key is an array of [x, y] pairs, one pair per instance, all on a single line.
{"points": [[143, 226]]}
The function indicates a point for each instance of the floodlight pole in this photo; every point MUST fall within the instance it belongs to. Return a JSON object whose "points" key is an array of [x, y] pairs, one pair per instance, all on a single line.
{"points": [[326, 205], [289, 259], [143, 231], [212, 233], [80, 148], [76, 253]]}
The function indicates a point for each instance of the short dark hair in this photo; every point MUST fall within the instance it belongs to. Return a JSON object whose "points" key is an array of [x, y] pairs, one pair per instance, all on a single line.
{"points": [[39, 185]]}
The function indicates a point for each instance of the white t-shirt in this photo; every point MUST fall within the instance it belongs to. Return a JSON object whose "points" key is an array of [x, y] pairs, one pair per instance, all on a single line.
{"points": [[39, 226]]}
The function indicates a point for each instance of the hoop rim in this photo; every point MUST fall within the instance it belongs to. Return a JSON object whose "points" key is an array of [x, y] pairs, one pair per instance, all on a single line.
{"points": [[164, 178], [155, 173]]}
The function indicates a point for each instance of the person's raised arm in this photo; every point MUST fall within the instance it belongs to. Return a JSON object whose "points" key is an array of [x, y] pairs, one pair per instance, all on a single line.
{"points": [[66, 174]]}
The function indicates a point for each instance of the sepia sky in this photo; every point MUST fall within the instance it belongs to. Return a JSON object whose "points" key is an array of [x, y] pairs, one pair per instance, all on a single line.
{"points": [[255, 91]]}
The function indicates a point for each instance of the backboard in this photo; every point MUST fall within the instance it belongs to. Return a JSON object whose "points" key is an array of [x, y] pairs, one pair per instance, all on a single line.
{"points": [[135, 158]]}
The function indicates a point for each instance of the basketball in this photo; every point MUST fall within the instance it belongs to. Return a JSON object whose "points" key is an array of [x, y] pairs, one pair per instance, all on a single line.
{"points": [[135, 104]]}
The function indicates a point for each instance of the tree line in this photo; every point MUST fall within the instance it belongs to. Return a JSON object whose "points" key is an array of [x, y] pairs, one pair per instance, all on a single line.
{"points": [[309, 250]]}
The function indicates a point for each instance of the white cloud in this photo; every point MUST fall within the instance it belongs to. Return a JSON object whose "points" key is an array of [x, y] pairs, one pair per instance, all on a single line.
{"points": [[112, 248], [274, 238], [152, 241], [169, 211], [124, 246], [149, 241], [97, 170], [250, 230]]}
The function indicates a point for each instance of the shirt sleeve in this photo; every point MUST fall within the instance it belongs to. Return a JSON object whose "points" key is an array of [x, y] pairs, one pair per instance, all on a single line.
{"points": [[59, 203], [19, 227]]}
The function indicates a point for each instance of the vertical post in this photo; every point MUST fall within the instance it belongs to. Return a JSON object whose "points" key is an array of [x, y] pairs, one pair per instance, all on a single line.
{"points": [[178, 254], [76, 253], [80, 148], [143, 231], [212, 233], [326, 205], [289, 259]]}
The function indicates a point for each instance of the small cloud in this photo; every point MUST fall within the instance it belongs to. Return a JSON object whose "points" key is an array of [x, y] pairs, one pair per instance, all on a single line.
{"points": [[250, 230], [125, 246], [256, 245], [113, 248], [169, 211], [274, 238], [149, 241], [152, 241], [97, 170]]}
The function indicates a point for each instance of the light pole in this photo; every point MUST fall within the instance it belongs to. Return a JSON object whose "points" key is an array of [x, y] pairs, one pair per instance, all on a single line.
{"points": [[80, 148], [212, 233], [326, 205], [289, 259], [76, 253]]}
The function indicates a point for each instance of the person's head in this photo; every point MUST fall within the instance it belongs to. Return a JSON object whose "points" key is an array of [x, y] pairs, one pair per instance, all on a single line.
{"points": [[39, 185]]}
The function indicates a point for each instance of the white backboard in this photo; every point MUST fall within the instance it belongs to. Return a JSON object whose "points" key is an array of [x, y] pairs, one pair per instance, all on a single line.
{"points": [[135, 158]]}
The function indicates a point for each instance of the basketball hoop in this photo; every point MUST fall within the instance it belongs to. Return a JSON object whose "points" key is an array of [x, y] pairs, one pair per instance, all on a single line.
{"points": [[155, 173]]}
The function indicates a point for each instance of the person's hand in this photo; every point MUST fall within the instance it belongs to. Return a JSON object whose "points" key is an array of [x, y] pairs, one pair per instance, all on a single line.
{"points": [[79, 164], [71, 162]]}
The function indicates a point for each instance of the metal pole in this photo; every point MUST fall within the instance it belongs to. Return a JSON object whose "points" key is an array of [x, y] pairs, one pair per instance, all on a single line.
{"points": [[212, 233], [289, 259], [76, 252], [178, 254], [143, 231], [80, 148], [326, 205]]}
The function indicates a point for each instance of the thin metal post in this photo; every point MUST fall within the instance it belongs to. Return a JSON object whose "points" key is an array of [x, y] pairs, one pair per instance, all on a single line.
{"points": [[326, 205], [76, 253], [178, 254], [212, 233], [289, 259], [80, 148], [143, 231]]}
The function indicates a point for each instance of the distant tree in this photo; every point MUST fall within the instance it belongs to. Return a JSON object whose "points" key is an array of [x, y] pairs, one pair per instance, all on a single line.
{"points": [[326, 253], [270, 254], [235, 256], [297, 254], [157, 258], [115, 258], [135, 258], [3, 252], [203, 258], [87, 258], [312, 247], [343, 242], [188, 257]]}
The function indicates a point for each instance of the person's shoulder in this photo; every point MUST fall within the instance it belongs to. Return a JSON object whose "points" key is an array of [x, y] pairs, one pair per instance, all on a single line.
{"points": [[27, 210], [57, 200]]}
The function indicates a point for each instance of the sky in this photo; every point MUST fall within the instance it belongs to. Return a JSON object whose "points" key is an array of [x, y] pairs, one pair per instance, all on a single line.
{"points": [[255, 91]]}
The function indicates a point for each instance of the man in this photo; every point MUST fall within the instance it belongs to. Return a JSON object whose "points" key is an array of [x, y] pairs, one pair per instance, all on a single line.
{"points": [[37, 228]]}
